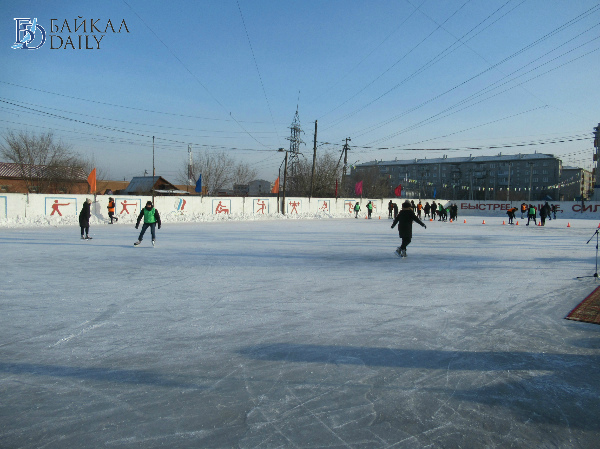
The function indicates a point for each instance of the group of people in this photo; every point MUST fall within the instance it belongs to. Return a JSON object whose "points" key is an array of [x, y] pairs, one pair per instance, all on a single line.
{"points": [[149, 214], [430, 210], [546, 211]]}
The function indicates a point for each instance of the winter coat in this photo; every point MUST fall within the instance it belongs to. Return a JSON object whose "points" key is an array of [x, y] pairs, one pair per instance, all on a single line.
{"points": [[405, 219], [84, 215], [148, 215]]}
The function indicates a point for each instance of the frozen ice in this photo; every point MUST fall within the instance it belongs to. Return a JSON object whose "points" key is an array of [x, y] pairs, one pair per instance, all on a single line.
{"points": [[298, 333]]}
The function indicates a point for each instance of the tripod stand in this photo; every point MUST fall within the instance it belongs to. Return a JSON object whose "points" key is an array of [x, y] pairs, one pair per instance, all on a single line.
{"points": [[596, 272]]}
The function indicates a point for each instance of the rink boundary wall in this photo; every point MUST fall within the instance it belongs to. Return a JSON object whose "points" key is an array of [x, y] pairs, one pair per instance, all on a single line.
{"points": [[22, 207]]}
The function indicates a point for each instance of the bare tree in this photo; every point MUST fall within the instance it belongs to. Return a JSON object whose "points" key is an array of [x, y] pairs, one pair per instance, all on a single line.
{"points": [[243, 173], [327, 171], [43, 162], [215, 168]]}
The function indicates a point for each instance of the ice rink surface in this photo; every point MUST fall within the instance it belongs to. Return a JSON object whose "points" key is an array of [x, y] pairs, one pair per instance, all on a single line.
{"points": [[299, 334]]}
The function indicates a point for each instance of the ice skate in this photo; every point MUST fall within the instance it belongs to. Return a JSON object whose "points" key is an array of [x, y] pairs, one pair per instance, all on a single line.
{"points": [[398, 252], [153, 242], [403, 253], [82, 237], [137, 243], [87, 237]]}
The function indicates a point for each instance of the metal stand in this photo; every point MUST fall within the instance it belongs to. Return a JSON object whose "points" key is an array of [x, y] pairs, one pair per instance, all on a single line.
{"points": [[596, 272]]}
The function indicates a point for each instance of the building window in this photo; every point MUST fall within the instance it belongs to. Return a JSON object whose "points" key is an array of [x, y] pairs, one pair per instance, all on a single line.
{"points": [[545, 179]]}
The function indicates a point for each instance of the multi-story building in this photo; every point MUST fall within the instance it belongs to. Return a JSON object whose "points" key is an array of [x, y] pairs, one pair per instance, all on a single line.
{"points": [[516, 177], [576, 183]]}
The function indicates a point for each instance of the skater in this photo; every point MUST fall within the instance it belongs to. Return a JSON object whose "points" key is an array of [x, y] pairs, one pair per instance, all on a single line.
{"points": [[390, 209], [419, 209], [433, 210], [427, 208], [395, 210], [111, 210], [405, 219], [151, 219], [548, 211], [554, 210], [511, 214], [356, 209], [84, 219], [369, 209], [531, 215], [523, 210], [543, 214]]}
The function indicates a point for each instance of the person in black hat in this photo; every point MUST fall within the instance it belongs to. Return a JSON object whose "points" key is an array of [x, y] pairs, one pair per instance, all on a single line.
{"points": [[151, 219], [84, 219], [405, 219], [111, 210]]}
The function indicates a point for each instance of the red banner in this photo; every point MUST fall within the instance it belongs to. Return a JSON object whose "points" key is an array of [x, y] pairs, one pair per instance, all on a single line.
{"points": [[398, 191]]}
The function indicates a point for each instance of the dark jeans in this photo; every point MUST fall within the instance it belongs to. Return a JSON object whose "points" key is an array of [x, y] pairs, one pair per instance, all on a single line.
{"points": [[405, 242], [145, 226], [111, 216], [531, 217], [86, 229]]}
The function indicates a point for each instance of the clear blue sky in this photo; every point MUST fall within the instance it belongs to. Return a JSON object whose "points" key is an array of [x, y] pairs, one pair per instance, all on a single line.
{"points": [[452, 77]]}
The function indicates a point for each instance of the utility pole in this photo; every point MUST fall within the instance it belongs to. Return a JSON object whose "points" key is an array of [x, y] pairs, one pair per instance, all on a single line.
{"points": [[345, 150], [508, 189], [312, 176], [530, 181], [597, 159], [284, 178], [153, 170], [190, 171]]}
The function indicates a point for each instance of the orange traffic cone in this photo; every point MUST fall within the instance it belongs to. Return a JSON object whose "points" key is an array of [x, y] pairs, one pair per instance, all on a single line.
{"points": [[465, 221], [450, 220], [503, 222], [517, 223], [431, 219], [568, 225], [483, 222], [380, 217]]}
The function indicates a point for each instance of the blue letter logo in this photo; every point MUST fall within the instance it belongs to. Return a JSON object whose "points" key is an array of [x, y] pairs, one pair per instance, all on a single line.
{"points": [[26, 29]]}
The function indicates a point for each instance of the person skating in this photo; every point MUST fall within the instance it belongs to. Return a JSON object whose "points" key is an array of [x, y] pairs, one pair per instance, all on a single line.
{"points": [[523, 210], [84, 219], [511, 214], [427, 208], [405, 219], [419, 209], [531, 215], [369, 209], [543, 214], [151, 219], [390, 209], [356, 209], [111, 210]]}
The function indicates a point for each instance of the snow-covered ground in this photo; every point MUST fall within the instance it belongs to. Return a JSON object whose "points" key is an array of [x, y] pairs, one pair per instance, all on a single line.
{"points": [[298, 333]]}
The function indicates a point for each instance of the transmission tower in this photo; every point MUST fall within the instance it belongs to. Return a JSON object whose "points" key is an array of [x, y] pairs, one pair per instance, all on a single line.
{"points": [[295, 142]]}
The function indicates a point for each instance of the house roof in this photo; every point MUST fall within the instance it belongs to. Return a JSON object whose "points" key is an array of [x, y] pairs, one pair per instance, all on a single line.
{"points": [[456, 160], [12, 170], [141, 184]]}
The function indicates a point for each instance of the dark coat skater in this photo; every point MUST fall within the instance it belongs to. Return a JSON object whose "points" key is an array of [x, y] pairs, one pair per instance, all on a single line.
{"points": [[84, 219], [405, 219]]}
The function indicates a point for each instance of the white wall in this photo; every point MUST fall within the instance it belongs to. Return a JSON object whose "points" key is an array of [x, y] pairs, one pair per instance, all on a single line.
{"points": [[65, 208]]}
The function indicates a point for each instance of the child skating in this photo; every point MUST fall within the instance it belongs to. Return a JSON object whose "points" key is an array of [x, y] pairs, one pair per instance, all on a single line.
{"points": [[151, 219]]}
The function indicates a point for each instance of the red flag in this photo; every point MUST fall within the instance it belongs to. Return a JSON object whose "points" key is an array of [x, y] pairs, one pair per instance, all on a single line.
{"points": [[358, 188], [275, 188], [398, 190], [92, 181]]}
